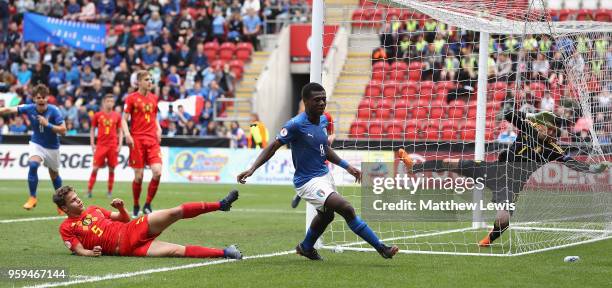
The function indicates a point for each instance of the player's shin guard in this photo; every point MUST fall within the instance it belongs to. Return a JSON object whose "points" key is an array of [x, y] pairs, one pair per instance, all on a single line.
{"points": [[194, 209], [111, 181], [152, 190], [92, 180], [136, 189], [311, 239], [57, 182], [203, 252], [33, 177], [361, 228]]}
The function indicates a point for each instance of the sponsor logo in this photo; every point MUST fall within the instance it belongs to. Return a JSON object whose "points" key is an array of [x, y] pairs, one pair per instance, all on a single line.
{"points": [[283, 132], [198, 166], [320, 193]]}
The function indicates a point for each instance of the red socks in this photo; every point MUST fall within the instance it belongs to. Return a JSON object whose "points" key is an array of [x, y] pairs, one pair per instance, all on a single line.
{"points": [[111, 181], [194, 209], [136, 189], [152, 190], [92, 181], [203, 252]]}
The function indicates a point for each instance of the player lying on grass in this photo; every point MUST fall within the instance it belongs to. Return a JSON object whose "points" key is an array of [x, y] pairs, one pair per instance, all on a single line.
{"points": [[534, 147], [307, 137], [95, 231]]}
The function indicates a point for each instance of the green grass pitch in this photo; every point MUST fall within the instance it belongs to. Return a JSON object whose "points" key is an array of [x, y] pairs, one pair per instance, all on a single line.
{"points": [[262, 223]]}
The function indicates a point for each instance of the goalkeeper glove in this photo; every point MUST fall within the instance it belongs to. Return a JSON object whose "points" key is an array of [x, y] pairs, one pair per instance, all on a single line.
{"points": [[598, 168]]}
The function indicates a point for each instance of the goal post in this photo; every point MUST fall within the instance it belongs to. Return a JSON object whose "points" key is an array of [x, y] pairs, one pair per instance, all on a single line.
{"points": [[439, 76]]}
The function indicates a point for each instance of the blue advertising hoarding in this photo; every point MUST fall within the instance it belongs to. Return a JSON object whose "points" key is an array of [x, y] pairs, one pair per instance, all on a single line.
{"points": [[81, 35]]}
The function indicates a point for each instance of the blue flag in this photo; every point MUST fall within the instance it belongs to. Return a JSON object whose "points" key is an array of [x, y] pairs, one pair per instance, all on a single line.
{"points": [[81, 35]]}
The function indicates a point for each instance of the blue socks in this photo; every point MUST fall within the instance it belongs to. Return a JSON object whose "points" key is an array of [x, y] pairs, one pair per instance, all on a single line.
{"points": [[361, 228], [57, 183], [310, 239], [33, 177]]}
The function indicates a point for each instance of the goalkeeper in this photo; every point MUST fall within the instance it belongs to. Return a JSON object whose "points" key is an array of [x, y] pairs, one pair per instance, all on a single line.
{"points": [[535, 146]]}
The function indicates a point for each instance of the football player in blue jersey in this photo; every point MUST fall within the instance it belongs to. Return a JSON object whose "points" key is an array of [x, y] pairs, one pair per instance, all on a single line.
{"points": [[307, 137], [46, 123]]}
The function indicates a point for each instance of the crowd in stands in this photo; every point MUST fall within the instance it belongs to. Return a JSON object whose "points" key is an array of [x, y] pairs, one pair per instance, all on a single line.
{"points": [[435, 54], [166, 37]]}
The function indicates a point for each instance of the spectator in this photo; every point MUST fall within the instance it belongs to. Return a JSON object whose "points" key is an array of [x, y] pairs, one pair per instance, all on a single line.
{"points": [[106, 9], [4, 129], [218, 26], [172, 131], [258, 136], [214, 92], [84, 129], [69, 112], [507, 136], [197, 90], [238, 137], [182, 117], [450, 68], [206, 116], [4, 22], [547, 103], [18, 126], [149, 55], [250, 5], [73, 9], [168, 58], [198, 58], [191, 129], [540, 68], [39, 75], [70, 130], [107, 77], [154, 25], [251, 27], [24, 6], [235, 27], [503, 67], [225, 78], [30, 55], [211, 129], [24, 76]]}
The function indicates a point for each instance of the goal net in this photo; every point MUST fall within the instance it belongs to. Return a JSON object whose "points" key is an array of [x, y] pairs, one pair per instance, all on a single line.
{"points": [[419, 76]]}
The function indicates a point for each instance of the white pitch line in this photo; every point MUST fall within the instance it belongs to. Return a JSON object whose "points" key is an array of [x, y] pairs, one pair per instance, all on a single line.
{"points": [[155, 270], [31, 219], [243, 210]]}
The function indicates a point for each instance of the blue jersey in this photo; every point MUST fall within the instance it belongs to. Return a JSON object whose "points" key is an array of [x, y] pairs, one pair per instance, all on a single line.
{"points": [[308, 143], [43, 136]]}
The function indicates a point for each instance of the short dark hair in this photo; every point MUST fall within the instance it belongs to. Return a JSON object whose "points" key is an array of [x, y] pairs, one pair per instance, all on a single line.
{"points": [[309, 88], [41, 90], [59, 198]]}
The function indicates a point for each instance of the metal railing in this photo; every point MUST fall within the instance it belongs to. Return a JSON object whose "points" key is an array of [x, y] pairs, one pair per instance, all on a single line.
{"points": [[232, 110]]}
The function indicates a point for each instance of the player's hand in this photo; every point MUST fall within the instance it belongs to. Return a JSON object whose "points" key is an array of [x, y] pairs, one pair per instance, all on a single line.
{"points": [[118, 148], [242, 176], [42, 120], [355, 172], [129, 140], [97, 251], [159, 136], [117, 204], [598, 168]]}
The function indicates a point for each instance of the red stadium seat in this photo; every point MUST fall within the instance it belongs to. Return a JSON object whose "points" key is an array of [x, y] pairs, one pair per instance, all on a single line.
{"points": [[603, 15], [364, 113], [421, 109], [448, 130], [237, 67], [468, 135], [217, 64], [383, 114], [584, 15], [373, 89], [377, 17], [438, 109], [376, 130], [244, 51], [367, 103], [211, 49], [358, 129], [426, 89], [409, 90], [401, 109], [398, 70], [227, 50], [393, 12], [390, 89], [379, 70], [456, 109], [359, 17], [395, 129], [431, 134], [414, 71], [443, 87]]}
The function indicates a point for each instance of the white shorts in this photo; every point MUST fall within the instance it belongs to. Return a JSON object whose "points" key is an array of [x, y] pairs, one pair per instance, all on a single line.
{"points": [[50, 157], [317, 190]]}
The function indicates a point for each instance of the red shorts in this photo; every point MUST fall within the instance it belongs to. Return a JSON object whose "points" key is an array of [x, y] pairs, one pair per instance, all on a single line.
{"points": [[144, 152], [135, 239], [106, 154]]}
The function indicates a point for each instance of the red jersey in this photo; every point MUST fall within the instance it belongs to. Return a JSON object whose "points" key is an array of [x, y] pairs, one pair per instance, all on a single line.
{"points": [[92, 228], [107, 124], [330, 121], [143, 112]]}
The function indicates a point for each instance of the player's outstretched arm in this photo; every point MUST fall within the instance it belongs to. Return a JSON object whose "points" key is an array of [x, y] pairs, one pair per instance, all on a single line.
{"points": [[263, 157], [122, 215], [126, 130], [586, 168], [335, 159], [81, 251], [92, 137], [8, 110]]}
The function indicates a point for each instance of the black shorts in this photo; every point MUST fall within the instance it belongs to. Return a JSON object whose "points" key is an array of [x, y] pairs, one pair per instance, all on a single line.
{"points": [[503, 179]]}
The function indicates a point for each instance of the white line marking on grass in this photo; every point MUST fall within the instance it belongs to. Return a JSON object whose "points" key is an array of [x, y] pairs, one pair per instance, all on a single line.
{"points": [[155, 270], [243, 210], [31, 219]]}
